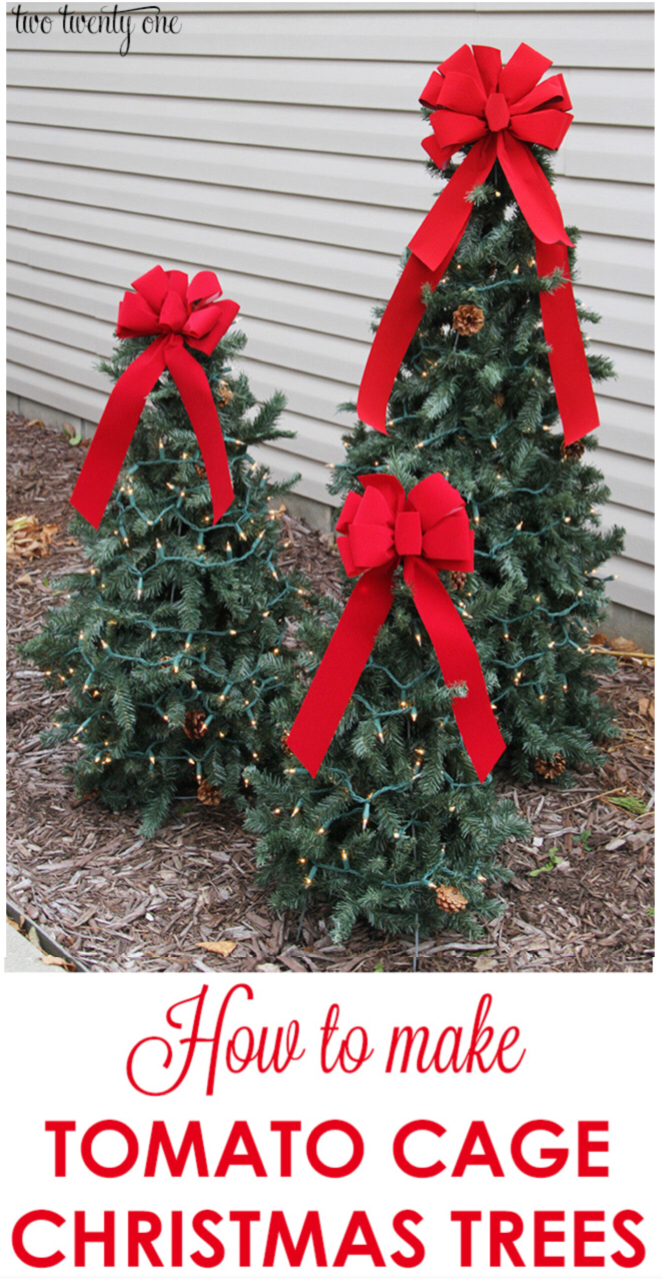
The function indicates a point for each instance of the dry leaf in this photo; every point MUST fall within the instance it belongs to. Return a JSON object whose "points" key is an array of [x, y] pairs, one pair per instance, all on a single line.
{"points": [[647, 707], [218, 947], [36, 421], [58, 962], [484, 963], [599, 640], [622, 645], [27, 539]]}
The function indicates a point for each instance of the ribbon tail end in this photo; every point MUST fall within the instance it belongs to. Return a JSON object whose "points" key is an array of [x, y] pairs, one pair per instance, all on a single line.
{"points": [[376, 426], [490, 757], [311, 765], [221, 502], [573, 431], [371, 415], [92, 512]]}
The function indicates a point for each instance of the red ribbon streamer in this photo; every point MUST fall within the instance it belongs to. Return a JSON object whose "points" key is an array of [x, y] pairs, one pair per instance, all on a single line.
{"points": [[474, 99], [430, 530], [176, 313]]}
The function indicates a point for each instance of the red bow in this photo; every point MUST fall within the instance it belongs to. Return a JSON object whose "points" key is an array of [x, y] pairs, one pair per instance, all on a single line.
{"points": [[429, 530], [501, 110], [175, 312]]}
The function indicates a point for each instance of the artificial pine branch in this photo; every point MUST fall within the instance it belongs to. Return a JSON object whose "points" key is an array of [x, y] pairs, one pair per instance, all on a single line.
{"points": [[481, 409], [175, 615]]}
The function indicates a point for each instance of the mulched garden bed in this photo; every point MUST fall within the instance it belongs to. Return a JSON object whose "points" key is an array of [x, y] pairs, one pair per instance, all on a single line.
{"points": [[581, 897]]}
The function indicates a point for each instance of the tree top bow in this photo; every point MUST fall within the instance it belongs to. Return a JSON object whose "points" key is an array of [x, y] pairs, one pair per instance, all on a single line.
{"points": [[472, 94], [474, 98], [383, 526], [499, 111], [178, 315], [165, 303], [428, 530]]}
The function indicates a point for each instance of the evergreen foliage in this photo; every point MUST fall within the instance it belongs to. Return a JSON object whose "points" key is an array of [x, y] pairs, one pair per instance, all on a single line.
{"points": [[480, 407], [396, 809], [169, 645]]}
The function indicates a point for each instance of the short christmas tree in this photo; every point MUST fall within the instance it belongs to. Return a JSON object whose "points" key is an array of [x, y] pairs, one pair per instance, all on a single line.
{"points": [[169, 645], [474, 399], [395, 828]]}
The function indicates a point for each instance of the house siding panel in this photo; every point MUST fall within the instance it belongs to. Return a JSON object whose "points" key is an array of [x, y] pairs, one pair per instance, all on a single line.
{"points": [[280, 145]]}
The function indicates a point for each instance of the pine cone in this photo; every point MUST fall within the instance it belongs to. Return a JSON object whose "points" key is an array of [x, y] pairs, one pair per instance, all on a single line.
{"points": [[550, 768], [468, 319], [574, 451], [208, 794], [458, 580], [194, 724], [450, 899], [200, 470], [499, 400], [224, 394]]}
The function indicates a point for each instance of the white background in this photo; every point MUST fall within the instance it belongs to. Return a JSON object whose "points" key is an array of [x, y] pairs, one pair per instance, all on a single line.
{"points": [[592, 1052]]}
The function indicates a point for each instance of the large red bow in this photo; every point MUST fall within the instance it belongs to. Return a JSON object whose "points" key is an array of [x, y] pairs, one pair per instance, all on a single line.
{"points": [[501, 110], [175, 312], [429, 530]]}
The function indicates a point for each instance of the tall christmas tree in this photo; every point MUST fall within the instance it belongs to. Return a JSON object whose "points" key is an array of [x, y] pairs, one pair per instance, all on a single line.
{"points": [[474, 398], [482, 342], [169, 645], [395, 827]]}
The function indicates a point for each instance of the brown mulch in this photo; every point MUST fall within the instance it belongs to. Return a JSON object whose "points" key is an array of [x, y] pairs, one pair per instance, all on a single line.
{"points": [[118, 902]]}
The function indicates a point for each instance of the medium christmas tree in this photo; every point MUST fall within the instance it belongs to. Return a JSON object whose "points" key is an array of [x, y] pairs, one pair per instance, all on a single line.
{"points": [[474, 398], [169, 645], [395, 827]]}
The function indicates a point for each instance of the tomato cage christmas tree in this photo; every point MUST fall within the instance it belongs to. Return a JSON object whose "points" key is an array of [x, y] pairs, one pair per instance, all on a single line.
{"points": [[379, 809], [483, 340], [169, 645]]}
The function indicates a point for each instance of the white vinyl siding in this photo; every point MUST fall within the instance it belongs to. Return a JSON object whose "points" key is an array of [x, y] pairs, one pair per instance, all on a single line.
{"points": [[279, 145]]}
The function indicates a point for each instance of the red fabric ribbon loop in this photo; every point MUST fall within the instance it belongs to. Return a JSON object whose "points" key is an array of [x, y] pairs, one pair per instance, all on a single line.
{"points": [[408, 533], [497, 114], [501, 110], [177, 314], [429, 530]]}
